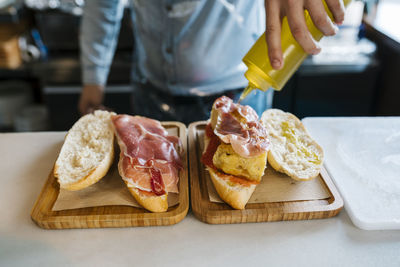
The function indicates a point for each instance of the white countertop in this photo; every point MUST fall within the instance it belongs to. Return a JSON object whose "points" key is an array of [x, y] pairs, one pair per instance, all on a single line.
{"points": [[26, 160]]}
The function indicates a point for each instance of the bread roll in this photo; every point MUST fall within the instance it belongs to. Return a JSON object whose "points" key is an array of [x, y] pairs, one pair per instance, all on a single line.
{"points": [[234, 194], [149, 201], [87, 152], [292, 150]]}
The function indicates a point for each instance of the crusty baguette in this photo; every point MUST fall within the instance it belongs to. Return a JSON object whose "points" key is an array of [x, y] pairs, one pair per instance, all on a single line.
{"points": [[87, 152], [292, 150], [149, 201], [234, 194]]}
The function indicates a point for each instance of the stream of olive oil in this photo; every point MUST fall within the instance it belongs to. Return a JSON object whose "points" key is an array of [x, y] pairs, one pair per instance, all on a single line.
{"points": [[246, 92]]}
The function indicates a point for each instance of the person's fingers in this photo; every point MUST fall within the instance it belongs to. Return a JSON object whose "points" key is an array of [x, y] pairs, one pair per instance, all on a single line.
{"points": [[82, 106], [91, 98], [84, 103], [273, 33], [106, 108], [90, 109], [85, 108], [321, 18], [102, 107], [337, 9], [297, 24]]}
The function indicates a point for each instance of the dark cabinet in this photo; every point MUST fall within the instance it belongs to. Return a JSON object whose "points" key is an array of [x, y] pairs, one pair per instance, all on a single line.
{"points": [[335, 90]]}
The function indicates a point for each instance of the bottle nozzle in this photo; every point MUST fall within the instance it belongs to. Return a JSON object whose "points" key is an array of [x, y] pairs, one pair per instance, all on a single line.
{"points": [[246, 92]]}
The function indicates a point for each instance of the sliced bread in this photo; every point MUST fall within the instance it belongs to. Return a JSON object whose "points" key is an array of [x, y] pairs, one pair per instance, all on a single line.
{"points": [[292, 150], [87, 152]]}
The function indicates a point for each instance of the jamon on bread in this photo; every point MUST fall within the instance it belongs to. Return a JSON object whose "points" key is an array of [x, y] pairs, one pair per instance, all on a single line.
{"points": [[235, 152], [87, 152], [149, 160]]}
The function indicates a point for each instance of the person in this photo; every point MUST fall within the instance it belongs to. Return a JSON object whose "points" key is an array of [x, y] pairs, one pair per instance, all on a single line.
{"points": [[188, 53]]}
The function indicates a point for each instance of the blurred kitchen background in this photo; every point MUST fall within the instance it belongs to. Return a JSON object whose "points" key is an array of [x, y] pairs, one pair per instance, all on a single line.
{"points": [[357, 73]]}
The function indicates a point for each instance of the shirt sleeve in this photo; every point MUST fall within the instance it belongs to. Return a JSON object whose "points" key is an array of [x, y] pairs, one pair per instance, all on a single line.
{"points": [[99, 31]]}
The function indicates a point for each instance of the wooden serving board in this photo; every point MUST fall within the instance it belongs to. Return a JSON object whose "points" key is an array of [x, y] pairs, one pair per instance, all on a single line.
{"points": [[221, 213], [112, 216]]}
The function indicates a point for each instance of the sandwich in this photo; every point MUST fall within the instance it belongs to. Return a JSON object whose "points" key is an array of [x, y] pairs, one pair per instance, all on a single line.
{"points": [[149, 160], [235, 152], [292, 151], [87, 152]]}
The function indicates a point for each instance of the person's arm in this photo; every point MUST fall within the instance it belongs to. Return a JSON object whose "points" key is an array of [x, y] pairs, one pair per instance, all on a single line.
{"points": [[294, 10], [100, 26]]}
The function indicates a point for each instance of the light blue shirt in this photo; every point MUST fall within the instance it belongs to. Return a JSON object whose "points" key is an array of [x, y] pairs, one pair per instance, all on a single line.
{"points": [[183, 47]]}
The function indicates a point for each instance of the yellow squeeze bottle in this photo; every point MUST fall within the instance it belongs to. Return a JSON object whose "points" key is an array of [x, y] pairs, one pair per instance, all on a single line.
{"points": [[260, 73]]}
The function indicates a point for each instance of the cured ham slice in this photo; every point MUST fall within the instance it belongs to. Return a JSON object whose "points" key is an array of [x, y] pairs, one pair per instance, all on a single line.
{"points": [[149, 159], [140, 176], [239, 126]]}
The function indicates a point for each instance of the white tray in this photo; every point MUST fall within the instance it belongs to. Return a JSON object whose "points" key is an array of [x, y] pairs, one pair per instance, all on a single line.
{"points": [[362, 155]]}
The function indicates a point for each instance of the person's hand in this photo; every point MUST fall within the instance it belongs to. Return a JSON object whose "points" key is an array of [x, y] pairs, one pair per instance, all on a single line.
{"points": [[91, 99], [294, 10]]}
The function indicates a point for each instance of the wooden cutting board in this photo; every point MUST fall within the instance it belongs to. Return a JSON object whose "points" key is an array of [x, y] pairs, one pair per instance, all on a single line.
{"points": [[115, 215], [285, 210]]}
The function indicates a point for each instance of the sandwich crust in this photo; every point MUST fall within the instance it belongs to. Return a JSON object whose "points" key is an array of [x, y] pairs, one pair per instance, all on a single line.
{"points": [[93, 177], [149, 201], [234, 194]]}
